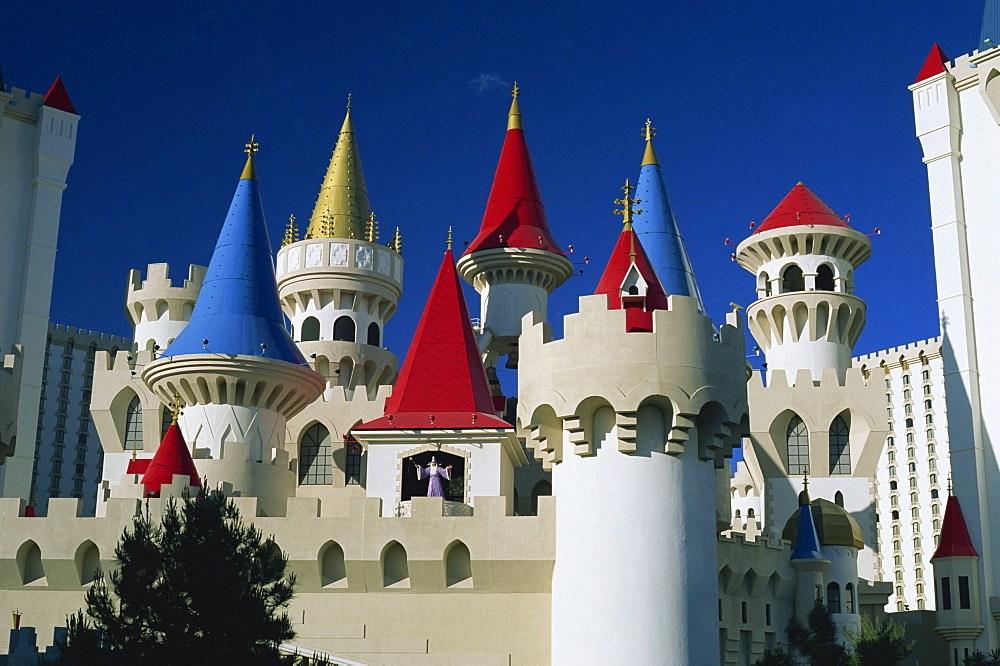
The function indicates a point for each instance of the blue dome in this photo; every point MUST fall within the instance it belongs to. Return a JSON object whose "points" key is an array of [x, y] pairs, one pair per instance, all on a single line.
{"points": [[238, 310]]}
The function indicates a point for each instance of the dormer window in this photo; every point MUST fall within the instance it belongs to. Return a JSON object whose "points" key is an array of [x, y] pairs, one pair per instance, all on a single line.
{"points": [[633, 284]]}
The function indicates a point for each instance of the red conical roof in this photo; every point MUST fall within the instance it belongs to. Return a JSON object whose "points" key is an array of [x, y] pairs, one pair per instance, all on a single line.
{"points": [[934, 65], [442, 383], [801, 206], [955, 540], [628, 252], [172, 457], [58, 98], [515, 214]]}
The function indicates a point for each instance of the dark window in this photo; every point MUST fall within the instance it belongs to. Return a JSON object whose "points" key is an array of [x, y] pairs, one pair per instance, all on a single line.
{"points": [[352, 470], [315, 457], [310, 329], [344, 329], [849, 594], [743, 611], [133, 425], [833, 598], [792, 280], [895, 515], [946, 593], [963, 592], [798, 446], [373, 336], [767, 614], [824, 278], [838, 499], [840, 448]]}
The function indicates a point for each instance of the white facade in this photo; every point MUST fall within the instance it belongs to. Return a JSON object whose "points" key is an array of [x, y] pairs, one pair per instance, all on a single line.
{"points": [[37, 145]]}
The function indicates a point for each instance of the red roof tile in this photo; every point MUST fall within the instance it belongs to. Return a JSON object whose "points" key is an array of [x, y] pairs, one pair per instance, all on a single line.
{"points": [[138, 466], [172, 457], [639, 310], [799, 207], [955, 540], [58, 98], [515, 214], [442, 384], [934, 65]]}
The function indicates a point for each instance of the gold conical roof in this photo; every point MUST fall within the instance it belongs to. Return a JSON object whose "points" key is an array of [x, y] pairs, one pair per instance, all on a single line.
{"points": [[342, 209]]}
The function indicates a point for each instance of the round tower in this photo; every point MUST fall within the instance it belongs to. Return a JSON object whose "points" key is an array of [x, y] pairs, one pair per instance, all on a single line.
{"points": [[235, 367], [804, 256], [339, 286], [633, 437], [514, 262], [158, 310]]}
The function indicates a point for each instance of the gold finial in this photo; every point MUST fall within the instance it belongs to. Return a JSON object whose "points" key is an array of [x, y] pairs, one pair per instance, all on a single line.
{"points": [[626, 202], [371, 233], [397, 242], [175, 406], [249, 171], [348, 102], [649, 157], [449, 228], [514, 116], [291, 232]]}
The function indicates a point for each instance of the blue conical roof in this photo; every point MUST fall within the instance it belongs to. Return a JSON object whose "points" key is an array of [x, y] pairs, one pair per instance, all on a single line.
{"points": [[658, 231], [237, 310], [807, 540]]}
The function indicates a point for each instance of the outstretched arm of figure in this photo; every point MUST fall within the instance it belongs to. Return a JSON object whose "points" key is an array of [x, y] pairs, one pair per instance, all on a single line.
{"points": [[445, 472]]}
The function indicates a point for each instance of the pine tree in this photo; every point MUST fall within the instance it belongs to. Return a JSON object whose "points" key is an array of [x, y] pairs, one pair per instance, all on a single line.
{"points": [[200, 584], [818, 641], [879, 642]]}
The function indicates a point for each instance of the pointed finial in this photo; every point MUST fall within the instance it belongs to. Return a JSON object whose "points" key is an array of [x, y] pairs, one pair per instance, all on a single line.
{"points": [[348, 102], [649, 157], [514, 116], [291, 232], [449, 228], [626, 202], [249, 171], [397, 242], [805, 479], [949, 483], [175, 406]]}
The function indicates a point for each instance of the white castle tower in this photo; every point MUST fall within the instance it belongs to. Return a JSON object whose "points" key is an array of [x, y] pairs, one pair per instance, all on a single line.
{"points": [[815, 414], [157, 309], [339, 286], [956, 106], [235, 366], [37, 146], [633, 436], [514, 262]]}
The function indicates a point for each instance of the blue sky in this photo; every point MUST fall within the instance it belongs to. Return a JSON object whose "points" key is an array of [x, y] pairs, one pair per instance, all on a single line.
{"points": [[748, 99]]}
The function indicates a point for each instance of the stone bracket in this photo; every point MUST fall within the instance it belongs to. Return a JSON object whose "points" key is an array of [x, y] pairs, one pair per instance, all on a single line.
{"points": [[679, 433], [626, 427]]}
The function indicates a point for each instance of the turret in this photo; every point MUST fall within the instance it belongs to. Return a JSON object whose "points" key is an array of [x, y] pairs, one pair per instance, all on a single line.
{"points": [[441, 407], [804, 256], [956, 579], [340, 285], [657, 227], [235, 366], [158, 310], [633, 436], [514, 262], [808, 562]]}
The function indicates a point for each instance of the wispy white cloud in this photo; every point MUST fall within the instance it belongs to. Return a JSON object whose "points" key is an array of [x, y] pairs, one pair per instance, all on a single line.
{"points": [[484, 83]]}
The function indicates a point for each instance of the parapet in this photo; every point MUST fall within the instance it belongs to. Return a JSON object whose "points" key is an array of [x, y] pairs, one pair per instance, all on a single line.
{"points": [[853, 378], [157, 295], [931, 348], [82, 337]]}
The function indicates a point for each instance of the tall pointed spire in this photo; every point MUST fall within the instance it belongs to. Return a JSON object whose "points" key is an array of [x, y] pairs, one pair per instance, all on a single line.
{"points": [[657, 227], [515, 214], [237, 311], [955, 540], [442, 383], [342, 209], [807, 545], [57, 97]]}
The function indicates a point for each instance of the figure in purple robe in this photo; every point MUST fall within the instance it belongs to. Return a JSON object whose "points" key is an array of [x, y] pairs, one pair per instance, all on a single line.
{"points": [[435, 473]]}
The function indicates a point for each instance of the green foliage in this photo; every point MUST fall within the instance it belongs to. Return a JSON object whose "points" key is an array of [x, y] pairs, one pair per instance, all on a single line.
{"points": [[818, 641], [879, 642], [979, 658], [201, 584], [776, 657]]}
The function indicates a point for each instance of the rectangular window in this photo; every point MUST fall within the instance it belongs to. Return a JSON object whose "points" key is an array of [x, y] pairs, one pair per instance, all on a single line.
{"points": [[743, 611], [964, 600], [352, 470], [946, 593], [767, 614]]}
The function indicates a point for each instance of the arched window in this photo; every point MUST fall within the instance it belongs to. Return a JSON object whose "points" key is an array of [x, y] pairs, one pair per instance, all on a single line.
{"points": [[763, 285], [352, 469], [133, 425], [333, 572], [750, 513], [373, 335], [458, 566], [395, 570], [798, 446], [824, 278], [792, 280], [849, 598], [344, 329], [88, 562], [833, 598], [315, 457], [310, 329], [542, 488], [840, 449], [738, 513], [29, 560], [838, 499]]}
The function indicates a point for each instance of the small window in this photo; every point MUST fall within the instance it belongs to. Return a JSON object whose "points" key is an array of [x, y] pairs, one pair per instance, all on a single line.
{"points": [[934, 493], [315, 457], [792, 279], [964, 598], [310, 329], [926, 375], [352, 470], [927, 389], [767, 614], [840, 451], [895, 515], [344, 329], [838, 499], [798, 446], [133, 425], [906, 380], [824, 278], [946, 593], [743, 611], [893, 485], [849, 597], [374, 339]]}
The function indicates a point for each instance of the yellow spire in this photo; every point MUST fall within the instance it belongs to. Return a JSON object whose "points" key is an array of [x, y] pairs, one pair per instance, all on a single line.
{"points": [[342, 209], [514, 116], [249, 172], [291, 232], [650, 155]]}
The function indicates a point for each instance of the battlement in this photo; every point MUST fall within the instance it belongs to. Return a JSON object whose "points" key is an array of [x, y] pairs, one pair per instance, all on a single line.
{"points": [[930, 346], [82, 337], [763, 542], [156, 298], [853, 379], [24, 101], [158, 277]]}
